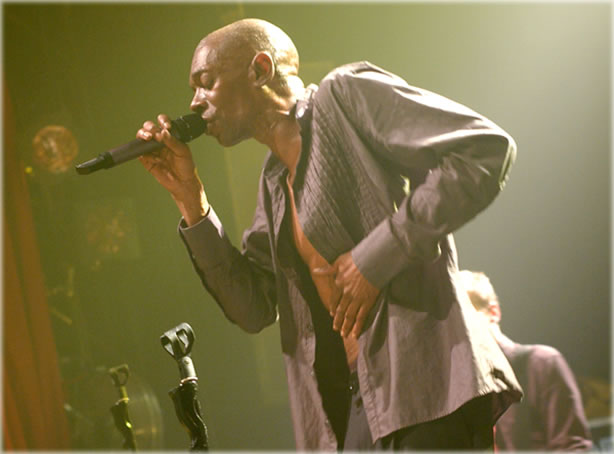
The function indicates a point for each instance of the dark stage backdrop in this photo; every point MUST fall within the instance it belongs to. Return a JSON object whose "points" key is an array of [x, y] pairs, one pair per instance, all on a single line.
{"points": [[117, 275]]}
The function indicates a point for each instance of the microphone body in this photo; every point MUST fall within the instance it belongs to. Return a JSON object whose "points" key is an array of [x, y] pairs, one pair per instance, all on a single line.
{"points": [[183, 128]]}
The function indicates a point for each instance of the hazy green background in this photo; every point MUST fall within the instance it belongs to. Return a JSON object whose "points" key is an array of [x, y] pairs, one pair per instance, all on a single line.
{"points": [[541, 71]]}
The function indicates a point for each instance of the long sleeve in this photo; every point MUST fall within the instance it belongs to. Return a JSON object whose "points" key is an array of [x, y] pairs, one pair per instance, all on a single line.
{"points": [[560, 404], [242, 283], [465, 159]]}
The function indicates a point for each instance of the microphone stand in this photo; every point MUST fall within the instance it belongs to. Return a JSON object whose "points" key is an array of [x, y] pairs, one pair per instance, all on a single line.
{"points": [[178, 343], [119, 377]]}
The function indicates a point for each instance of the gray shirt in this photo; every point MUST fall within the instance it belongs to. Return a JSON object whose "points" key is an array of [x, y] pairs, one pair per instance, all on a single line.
{"points": [[551, 416], [387, 171]]}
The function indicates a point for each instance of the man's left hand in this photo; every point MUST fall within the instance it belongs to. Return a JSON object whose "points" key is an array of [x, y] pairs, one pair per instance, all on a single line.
{"points": [[358, 295]]}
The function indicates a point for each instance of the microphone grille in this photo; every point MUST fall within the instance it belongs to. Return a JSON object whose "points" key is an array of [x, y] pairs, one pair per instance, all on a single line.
{"points": [[188, 127]]}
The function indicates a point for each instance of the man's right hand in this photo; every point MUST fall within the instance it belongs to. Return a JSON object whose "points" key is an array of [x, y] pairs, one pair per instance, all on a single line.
{"points": [[174, 169]]}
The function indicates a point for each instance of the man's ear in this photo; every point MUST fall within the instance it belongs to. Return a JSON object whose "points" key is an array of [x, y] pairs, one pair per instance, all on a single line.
{"points": [[494, 312], [262, 69]]}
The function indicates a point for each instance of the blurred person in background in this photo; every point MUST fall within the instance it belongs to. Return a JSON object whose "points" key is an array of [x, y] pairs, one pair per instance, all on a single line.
{"points": [[551, 415]]}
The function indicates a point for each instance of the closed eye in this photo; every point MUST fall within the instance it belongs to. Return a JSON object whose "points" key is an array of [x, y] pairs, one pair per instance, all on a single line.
{"points": [[206, 82]]}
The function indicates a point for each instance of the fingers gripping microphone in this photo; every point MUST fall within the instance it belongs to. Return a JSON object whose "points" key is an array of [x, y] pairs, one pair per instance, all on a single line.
{"points": [[183, 128]]}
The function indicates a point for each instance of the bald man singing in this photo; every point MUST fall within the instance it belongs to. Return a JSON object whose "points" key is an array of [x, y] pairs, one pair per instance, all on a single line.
{"points": [[351, 245]]}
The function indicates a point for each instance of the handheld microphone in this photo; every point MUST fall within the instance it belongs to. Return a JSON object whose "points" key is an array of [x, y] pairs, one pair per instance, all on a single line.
{"points": [[183, 128]]}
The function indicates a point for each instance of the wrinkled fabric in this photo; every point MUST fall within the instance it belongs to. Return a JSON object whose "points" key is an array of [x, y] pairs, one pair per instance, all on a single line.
{"points": [[551, 416], [387, 171]]}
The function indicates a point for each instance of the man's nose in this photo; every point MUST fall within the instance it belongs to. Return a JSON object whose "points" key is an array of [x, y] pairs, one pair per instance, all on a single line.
{"points": [[199, 101]]}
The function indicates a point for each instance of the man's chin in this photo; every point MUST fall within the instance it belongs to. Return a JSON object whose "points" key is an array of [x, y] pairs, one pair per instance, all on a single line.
{"points": [[223, 142], [228, 141], [219, 139]]}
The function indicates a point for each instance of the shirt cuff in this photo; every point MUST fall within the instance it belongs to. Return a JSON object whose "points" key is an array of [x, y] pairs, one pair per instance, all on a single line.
{"points": [[380, 256], [206, 240]]}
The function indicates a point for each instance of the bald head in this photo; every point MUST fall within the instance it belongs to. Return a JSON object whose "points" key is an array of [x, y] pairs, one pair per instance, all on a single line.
{"points": [[238, 43], [481, 293]]}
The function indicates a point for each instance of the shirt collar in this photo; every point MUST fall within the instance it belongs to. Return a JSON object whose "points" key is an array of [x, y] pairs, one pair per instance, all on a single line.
{"points": [[304, 107]]}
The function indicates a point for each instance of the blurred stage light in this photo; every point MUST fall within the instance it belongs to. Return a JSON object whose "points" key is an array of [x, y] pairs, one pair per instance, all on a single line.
{"points": [[55, 148]]}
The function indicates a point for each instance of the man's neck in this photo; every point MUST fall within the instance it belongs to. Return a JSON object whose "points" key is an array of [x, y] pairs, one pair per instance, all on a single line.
{"points": [[287, 143], [280, 131]]}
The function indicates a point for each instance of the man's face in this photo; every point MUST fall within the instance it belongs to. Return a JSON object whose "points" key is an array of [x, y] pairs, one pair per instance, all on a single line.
{"points": [[222, 94]]}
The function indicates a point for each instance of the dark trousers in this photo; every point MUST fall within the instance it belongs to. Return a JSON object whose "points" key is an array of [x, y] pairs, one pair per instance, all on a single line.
{"points": [[468, 428]]}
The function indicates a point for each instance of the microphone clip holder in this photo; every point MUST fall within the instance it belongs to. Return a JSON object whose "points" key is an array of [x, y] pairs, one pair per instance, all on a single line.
{"points": [[119, 377], [178, 343]]}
